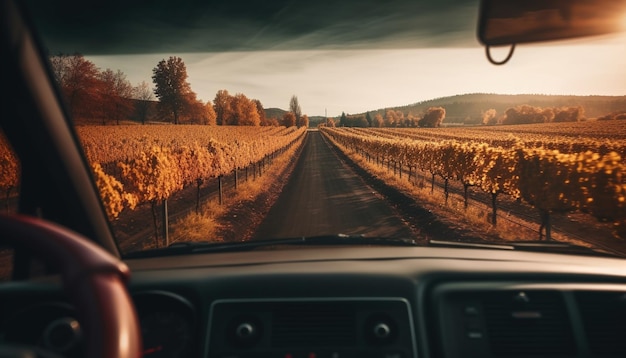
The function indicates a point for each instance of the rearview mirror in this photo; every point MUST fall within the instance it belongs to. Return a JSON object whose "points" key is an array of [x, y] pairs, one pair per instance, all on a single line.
{"points": [[509, 22]]}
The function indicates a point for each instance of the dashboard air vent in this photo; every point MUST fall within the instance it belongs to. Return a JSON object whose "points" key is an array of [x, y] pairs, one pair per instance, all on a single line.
{"points": [[320, 324], [528, 324], [604, 320]]}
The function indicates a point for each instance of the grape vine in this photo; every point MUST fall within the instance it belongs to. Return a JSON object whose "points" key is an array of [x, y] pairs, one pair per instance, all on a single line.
{"points": [[592, 180]]}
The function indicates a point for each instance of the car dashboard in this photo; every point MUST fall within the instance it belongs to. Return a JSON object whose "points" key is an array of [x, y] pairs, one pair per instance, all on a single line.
{"points": [[351, 302]]}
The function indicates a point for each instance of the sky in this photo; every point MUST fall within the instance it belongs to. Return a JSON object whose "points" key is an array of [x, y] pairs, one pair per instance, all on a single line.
{"points": [[347, 56], [329, 82]]}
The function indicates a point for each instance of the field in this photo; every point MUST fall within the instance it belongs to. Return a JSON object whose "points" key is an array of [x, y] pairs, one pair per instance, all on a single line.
{"points": [[555, 168], [137, 164], [140, 171]]}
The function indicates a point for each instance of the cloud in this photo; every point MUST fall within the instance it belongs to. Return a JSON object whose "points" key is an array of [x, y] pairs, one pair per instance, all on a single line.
{"points": [[237, 25]]}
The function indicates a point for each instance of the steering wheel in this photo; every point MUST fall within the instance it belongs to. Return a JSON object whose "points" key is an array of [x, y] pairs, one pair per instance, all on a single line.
{"points": [[92, 278]]}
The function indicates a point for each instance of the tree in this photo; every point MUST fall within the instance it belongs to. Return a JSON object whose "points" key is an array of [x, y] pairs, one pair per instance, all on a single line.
{"points": [[195, 111], [294, 107], [411, 120], [526, 114], [261, 111], [378, 121], [343, 120], [273, 121], [142, 93], [114, 93], [170, 79], [394, 118], [489, 117], [304, 121], [613, 116], [106, 91], [245, 111], [356, 121], [433, 117], [289, 119], [78, 80], [569, 114], [222, 106], [211, 116]]}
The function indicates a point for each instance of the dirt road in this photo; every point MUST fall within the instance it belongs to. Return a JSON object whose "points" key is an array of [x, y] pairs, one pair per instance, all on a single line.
{"points": [[324, 196]]}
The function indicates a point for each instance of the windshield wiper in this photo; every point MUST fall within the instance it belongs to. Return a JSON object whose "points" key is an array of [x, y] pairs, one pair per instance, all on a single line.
{"points": [[203, 247], [536, 246]]}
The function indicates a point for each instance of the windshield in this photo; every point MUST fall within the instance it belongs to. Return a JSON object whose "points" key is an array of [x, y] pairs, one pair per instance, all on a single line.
{"points": [[279, 120]]}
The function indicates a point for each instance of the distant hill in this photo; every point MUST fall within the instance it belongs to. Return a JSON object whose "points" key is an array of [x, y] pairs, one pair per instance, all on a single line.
{"points": [[314, 121], [274, 113], [468, 108]]}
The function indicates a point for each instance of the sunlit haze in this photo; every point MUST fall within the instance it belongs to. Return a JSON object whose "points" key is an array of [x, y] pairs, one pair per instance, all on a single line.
{"points": [[356, 81]]}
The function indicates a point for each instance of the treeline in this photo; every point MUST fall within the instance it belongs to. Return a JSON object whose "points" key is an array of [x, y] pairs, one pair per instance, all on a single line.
{"points": [[434, 117], [468, 108], [239, 110], [613, 116], [91, 93], [526, 114], [431, 118], [106, 96]]}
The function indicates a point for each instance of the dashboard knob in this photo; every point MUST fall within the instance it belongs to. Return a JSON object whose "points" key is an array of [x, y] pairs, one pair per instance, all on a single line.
{"points": [[382, 330], [245, 331], [62, 335]]}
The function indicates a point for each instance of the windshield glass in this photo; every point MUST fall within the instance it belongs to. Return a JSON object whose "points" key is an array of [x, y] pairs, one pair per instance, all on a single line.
{"points": [[247, 122]]}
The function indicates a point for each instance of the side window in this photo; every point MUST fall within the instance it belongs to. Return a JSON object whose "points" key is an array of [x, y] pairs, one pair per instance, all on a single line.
{"points": [[9, 193]]}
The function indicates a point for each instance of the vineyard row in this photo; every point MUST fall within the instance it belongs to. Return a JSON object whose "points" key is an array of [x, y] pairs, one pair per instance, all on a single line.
{"points": [[157, 173], [137, 164], [576, 141], [547, 179]]}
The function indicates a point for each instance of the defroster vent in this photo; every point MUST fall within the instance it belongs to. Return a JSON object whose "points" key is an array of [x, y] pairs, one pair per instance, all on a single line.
{"points": [[604, 321], [528, 324], [320, 324]]}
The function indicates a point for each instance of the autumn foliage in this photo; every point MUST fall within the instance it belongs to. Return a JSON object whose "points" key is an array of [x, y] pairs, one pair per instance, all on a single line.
{"points": [[136, 165], [562, 175], [526, 114], [433, 117], [237, 110], [9, 169], [147, 164], [106, 96], [85, 88]]}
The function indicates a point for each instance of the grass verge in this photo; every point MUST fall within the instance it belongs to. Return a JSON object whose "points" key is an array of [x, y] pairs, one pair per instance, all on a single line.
{"points": [[244, 208]]}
